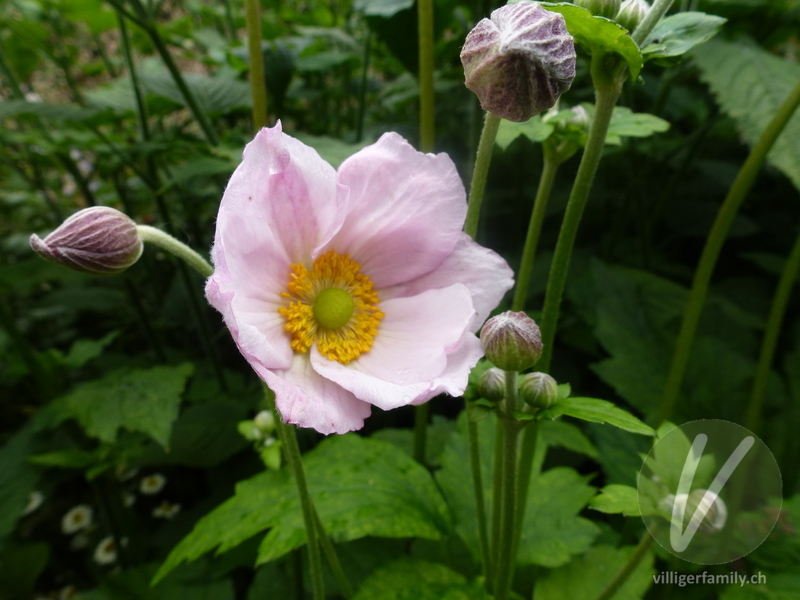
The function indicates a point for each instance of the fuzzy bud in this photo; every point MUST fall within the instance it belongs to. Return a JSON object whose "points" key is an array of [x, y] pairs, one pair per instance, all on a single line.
{"points": [[491, 385], [538, 390], [601, 8], [265, 421], [632, 13], [98, 240], [702, 500], [519, 61], [512, 341]]}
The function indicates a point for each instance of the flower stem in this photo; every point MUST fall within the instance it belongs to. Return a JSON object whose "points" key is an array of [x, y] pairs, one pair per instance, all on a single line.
{"points": [[258, 86], [607, 89], [333, 560], [527, 455], [481, 170], [141, 105], [426, 66], [629, 567], [654, 15], [421, 415], [504, 571], [173, 246], [719, 231], [480, 502], [289, 439], [549, 171], [774, 327]]}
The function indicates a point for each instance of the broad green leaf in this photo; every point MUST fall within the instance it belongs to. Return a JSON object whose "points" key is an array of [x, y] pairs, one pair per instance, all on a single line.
{"points": [[552, 531], [781, 550], [535, 129], [677, 34], [360, 487], [626, 123], [598, 411], [134, 584], [668, 458], [381, 8], [18, 478], [82, 351], [439, 432], [598, 34], [143, 400], [54, 112], [586, 576], [566, 435], [765, 586], [408, 579], [20, 567], [617, 499], [750, 84]]}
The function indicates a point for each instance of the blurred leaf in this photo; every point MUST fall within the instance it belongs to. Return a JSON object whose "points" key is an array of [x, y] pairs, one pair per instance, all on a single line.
{"points": [[408, 578], [439, 432], [20, 567], [773, 586], [598, 34], [82, 351], [143, 400], [626, 123], [566, 435], [534, 129], [332, 150], [750, 84], [677, 34], [585, 576], [360, 487], [18, 478], [97, 16], [70, 459], [381, 8], [552, 531], [134, 584], [617, 499], [323, 61], [54, 112], [597, 411]]}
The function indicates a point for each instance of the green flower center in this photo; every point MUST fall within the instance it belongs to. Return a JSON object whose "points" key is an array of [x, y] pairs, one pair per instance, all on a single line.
{"points": [[333, 308]]}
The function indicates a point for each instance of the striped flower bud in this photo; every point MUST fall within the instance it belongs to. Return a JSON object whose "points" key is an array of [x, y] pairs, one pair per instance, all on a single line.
{"points": [[519, 61], [98, 240], [538, 390], [632, 13], [512, 341], [601, 8]]}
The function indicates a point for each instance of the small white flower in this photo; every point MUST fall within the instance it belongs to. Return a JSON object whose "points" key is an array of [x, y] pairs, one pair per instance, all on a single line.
{"points": [[85, 167], [77, 518], [35, 500], [166, 510], [106, 551], [152, 484], [128, 499], [80, 541]]}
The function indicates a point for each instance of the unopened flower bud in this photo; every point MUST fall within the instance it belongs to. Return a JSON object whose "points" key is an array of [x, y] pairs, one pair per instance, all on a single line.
{"points": [[702, 500], [519, 61], [601, 8], [538, 390], [581, 118], [491, 385], [512, 341], [632, 13], [98, 240], [265, 421]]}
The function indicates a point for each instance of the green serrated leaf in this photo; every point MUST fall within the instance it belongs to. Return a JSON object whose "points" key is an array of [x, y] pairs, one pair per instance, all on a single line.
{"points": [[360, 487], [750, 84], [534, 129], [584, 576], [626, 123], [408, 578], [566, 435], [598, 34], [597, 411], [617, 499], [143, 400], [677, 34]]}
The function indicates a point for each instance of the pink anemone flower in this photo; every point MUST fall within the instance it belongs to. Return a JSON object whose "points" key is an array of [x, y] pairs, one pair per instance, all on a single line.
{"points": [[355, 288]]}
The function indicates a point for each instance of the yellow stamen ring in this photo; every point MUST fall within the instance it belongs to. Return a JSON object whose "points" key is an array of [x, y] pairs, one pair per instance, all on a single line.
{"points": [[334, 305]]}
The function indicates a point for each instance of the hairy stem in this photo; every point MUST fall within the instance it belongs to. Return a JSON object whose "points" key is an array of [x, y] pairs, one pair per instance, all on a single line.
{"points": [[176, 247]]}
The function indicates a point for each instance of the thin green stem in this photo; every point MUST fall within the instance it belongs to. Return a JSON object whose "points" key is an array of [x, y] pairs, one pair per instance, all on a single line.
{"points": [[426, 66], [527, 455], [362, 91], [333, 559], [719, 231], [141, 105], [504, 570], [608, 86], [173, 246], [482, 160], [10, 76], [629, 567], [497, 490], [480, 502], [549, 171], [421, 415], [295, 461], [773, 330], [258, 85], [229, 20], [654, 15]]}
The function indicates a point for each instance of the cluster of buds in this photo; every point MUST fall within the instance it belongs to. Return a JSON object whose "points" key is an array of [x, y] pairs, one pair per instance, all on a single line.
{"points": [[261, 431], [628, 13]]}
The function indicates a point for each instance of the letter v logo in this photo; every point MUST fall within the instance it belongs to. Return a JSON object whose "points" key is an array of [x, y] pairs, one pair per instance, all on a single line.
{"points": [[678, 538]]}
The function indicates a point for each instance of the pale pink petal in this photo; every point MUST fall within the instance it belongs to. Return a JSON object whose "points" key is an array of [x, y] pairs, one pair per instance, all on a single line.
{"points": [[306, 399], [405, 213], [283, 189], [487, 276], [410, 350], [455, 376]]}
